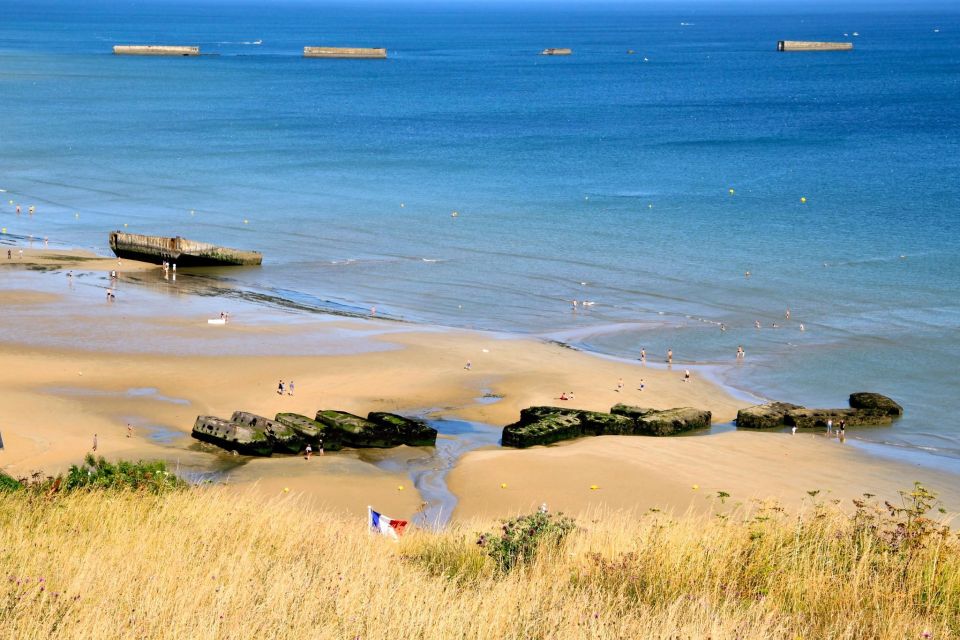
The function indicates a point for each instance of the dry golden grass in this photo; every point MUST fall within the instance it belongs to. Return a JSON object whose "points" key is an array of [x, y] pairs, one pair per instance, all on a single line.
{"points": [[206, 564]]}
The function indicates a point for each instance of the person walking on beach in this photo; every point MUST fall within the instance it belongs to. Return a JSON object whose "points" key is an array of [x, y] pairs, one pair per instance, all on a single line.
{"points": [[9, 255], [291, 388], [280, 388], [843, 427], [468, 366], [129, 430], [793, 429], [669, 356], [308, 453], [686, 375], [320, 446], [642, 385], [94, 442], [829, 426], [619, 385]]}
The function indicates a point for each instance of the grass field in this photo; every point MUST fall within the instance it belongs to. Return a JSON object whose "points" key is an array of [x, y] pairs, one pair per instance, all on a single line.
{"points": [[205, 563]]}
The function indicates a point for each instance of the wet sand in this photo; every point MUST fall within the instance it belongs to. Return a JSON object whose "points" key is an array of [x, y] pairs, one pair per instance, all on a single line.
{"points": [[75, 365]]}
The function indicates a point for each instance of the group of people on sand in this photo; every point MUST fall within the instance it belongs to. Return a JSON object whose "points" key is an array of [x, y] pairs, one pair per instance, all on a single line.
{"points": [[281, 387], [840, 432], [308, 452]]}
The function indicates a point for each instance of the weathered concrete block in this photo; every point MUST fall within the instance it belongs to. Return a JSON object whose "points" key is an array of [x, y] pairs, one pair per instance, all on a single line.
{"points": [[606, 424], [403, 430], [311, 431], [634, 413], [548, 429], [283, 438], [876, 403], [764, 416], [232, 436], [673, 421], [817, 418]]}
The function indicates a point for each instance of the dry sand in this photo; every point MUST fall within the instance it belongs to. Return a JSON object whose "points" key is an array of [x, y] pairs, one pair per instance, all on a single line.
{"points": [[74, 369], [638, 473]]}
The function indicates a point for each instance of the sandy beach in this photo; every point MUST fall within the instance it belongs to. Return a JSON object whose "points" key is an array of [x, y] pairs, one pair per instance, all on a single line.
{"points": [[75, 366]]}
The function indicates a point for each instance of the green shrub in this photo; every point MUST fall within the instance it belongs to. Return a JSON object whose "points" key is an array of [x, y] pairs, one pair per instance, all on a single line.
{"points": [[521, 538], [9, 483], [98, 473]]}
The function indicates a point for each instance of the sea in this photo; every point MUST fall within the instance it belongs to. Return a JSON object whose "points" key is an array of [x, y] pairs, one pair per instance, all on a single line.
{"points": [[467, 181]]}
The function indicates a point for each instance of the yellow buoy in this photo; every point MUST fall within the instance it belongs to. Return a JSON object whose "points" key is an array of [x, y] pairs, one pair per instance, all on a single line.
{"points": [[503, 485], [286, 489], [732, 192], [593, 487], [399, 487], [695, 487], [802, 199]]}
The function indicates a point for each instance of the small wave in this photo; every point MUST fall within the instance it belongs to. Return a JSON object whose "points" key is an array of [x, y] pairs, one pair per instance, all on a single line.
{"points": [[429, 260]]}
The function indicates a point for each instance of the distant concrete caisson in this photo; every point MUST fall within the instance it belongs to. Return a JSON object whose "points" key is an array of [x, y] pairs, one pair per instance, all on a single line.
{"points": [[802, 45], [344, 52], [154, 50]]}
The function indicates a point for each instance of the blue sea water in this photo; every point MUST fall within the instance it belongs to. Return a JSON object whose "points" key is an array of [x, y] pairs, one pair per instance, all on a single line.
{"points": [[602, 176]]}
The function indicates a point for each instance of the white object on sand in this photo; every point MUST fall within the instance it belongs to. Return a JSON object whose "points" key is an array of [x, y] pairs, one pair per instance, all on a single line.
{"points": [[216, 321]]}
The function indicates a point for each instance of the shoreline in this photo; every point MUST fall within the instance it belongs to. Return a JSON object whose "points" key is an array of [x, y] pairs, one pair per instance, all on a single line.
{"points": [[354, 364]]}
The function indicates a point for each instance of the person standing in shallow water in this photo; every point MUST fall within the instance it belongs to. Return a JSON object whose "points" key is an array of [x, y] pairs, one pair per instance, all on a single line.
{"points": [[669, 356]]}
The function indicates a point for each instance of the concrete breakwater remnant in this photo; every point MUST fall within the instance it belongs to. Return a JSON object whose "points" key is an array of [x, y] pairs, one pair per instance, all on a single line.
{"points": [[546, 425], [183, 252], [154, 50], [866, 409], [250, 434]]}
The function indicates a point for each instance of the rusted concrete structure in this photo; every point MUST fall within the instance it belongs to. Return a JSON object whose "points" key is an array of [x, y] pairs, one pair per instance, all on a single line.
{"points": [[183, 252]]}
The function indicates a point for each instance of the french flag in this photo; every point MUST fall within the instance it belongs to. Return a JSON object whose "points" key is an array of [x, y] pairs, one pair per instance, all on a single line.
{"points": [[385, 526]]}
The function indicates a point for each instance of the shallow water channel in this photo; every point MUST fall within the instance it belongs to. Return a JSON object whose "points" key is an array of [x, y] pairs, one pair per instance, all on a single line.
{"points": [[429, 472]]}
